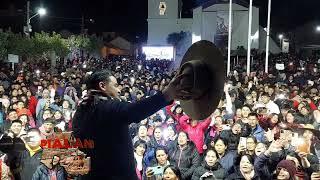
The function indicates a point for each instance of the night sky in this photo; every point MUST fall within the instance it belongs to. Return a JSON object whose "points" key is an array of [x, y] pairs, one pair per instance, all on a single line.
{"points": [[129, 16]]}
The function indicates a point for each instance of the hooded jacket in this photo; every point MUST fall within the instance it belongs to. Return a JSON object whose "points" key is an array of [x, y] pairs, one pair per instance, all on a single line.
{"points": [[186, 159]]}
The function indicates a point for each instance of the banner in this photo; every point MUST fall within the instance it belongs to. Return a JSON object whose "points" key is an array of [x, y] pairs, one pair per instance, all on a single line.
{"points": [[285, 46], [221, 36]]}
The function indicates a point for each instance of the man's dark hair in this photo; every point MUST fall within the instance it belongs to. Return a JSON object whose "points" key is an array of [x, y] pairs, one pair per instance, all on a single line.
{"points": [[253, 114], [16, 121], [92, 81]]}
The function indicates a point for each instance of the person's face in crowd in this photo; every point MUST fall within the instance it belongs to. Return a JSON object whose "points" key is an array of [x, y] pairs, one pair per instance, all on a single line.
{"points": [[161, 157], [274, 119], [140, 150], [48, 127], [45, 94], [24, 99], [13, 115], [254, 94], [20, 105], [24, 120], [127, 95], [144, 122], [249, 99], [1, 90], [307, 134], [251, 145], [283, 174], [14, 93], [35, 139], [211, 158], [270, 91], [168, 174], [170, 121], [29, 94], [220, 147], [218, 121], [57, 115], [157, 134], [182, 139], [239, 113], [236, 128], [14, 99], [55, 160], [266, 89], [20, 92], [111, 88], [290, 118], [142, 132], [304, 111], [6, 103], [265, 99], [156, 87], [216, 113], [260, 148], [46, 114], [178, 110], [245, 165], [16, 128], [253, 121], [171, 132], [65, 105], [245, 111]]}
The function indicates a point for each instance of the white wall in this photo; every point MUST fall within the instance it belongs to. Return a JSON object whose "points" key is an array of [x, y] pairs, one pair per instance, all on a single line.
{"points": [[159, 29]]}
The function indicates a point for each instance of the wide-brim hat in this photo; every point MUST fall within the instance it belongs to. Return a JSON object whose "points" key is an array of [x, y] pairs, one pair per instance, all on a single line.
{"points": [[204, 69], [311, 128]]}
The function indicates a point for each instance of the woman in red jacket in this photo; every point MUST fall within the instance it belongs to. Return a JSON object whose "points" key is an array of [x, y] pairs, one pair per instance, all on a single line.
{"points": [[32, 105], [195, 130]]}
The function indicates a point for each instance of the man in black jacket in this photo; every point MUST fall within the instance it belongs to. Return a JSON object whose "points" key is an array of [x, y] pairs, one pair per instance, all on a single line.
{"points": [[103, 118]]}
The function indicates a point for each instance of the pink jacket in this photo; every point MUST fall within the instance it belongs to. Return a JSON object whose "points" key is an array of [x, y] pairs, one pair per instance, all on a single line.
{"points": [[196, 133]]}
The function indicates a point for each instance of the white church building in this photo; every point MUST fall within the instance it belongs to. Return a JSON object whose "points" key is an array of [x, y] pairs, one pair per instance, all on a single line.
{"points": [[210, 22]]}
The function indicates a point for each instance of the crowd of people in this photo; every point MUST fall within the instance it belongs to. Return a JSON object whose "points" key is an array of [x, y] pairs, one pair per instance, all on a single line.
{"points": [[265, 127]]}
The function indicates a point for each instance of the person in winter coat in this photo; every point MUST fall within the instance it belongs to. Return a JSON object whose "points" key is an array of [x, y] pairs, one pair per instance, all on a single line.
{"points": [[142, 134], [244, 169], [256, 129], [47, 129], [140, 148], [226, 158], [172, 136], [161, 160], [55, 171], [156, 141], [30, 158], [210, 168], [185, 156], [195, 129]]}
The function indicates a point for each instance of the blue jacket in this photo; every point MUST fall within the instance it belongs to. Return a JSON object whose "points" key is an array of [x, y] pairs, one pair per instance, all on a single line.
{"points": [[42, 173], [258, 133]]}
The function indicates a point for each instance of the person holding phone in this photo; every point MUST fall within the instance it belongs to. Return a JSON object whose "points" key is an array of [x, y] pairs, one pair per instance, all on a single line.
{"points": [[155, 171]]}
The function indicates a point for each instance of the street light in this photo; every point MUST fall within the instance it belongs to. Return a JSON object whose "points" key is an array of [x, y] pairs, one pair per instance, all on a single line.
{"points": [[280, 37], [41, 11], [318, 28]]}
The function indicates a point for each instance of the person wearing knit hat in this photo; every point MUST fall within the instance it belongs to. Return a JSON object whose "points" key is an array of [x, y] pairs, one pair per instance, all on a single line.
{"points": [[286, 170]]}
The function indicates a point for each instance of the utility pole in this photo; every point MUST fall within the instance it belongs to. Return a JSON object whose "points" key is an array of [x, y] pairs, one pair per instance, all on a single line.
{"points": [[28, 27]]}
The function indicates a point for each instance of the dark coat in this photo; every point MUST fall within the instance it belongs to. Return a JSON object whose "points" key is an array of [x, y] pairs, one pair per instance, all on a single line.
{"points": [[106, 123], [217, 170], [42, 173], [187, 160], [237, 175], [29, 164]]}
